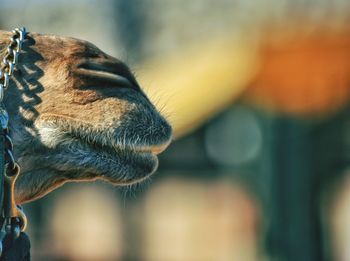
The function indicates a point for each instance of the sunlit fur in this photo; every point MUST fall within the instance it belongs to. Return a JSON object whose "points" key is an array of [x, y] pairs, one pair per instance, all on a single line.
{"points": [[77, 114]]}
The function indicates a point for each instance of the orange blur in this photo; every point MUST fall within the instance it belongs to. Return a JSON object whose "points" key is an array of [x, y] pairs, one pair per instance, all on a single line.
{"points": [[309, 75]]}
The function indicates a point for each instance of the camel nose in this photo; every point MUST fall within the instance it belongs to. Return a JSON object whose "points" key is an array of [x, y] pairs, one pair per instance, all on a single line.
{"points": [[164, 138], [154, 136], [165, 132]]}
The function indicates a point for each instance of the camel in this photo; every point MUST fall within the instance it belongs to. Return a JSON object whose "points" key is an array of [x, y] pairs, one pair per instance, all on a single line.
{"points": [[78, 114]]}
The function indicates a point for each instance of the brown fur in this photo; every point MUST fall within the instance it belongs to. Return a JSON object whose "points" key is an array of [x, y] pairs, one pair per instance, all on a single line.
{"points": [[78, 114]]}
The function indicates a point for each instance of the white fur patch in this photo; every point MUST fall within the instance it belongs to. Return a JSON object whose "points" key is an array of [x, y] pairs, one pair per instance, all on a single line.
{"points": [[50, 136]]}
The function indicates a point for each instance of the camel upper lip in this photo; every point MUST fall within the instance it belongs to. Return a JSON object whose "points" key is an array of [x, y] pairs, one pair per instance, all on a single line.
{"points": [[155, 149], [152, 149], [53, 135]]}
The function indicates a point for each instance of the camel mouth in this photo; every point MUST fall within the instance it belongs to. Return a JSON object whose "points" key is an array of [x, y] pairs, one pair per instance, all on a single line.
{"points": [[126, 164], [154, 149], [120, 164], [129, 146]]}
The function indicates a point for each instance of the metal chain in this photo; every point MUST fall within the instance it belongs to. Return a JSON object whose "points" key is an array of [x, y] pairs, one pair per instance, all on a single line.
{"points": [[14, 218], [11, 59]]}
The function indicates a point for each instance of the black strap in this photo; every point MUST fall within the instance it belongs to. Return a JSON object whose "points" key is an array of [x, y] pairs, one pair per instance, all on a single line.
{"points": [[16, 249]]}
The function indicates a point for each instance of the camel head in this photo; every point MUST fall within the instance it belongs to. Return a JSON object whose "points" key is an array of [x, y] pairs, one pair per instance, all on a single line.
{"points": [[78, 114]]}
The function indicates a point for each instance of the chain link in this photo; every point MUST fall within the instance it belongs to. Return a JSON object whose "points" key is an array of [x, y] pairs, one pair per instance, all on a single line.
{"points": [[11, 58]]}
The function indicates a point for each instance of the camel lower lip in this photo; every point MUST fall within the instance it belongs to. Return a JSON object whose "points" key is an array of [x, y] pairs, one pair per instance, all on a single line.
{"points": [[118, 166]]}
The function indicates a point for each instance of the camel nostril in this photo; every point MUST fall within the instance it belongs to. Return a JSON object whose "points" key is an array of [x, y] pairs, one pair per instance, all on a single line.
{"points": [[106, 73], [104, 79]]}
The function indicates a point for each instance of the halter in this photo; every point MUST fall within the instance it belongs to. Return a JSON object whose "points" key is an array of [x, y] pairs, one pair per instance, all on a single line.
{"points": [[12, 218]]}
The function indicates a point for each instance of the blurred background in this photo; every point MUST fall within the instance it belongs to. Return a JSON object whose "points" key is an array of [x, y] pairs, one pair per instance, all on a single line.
{"points": [[258, 95]]}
